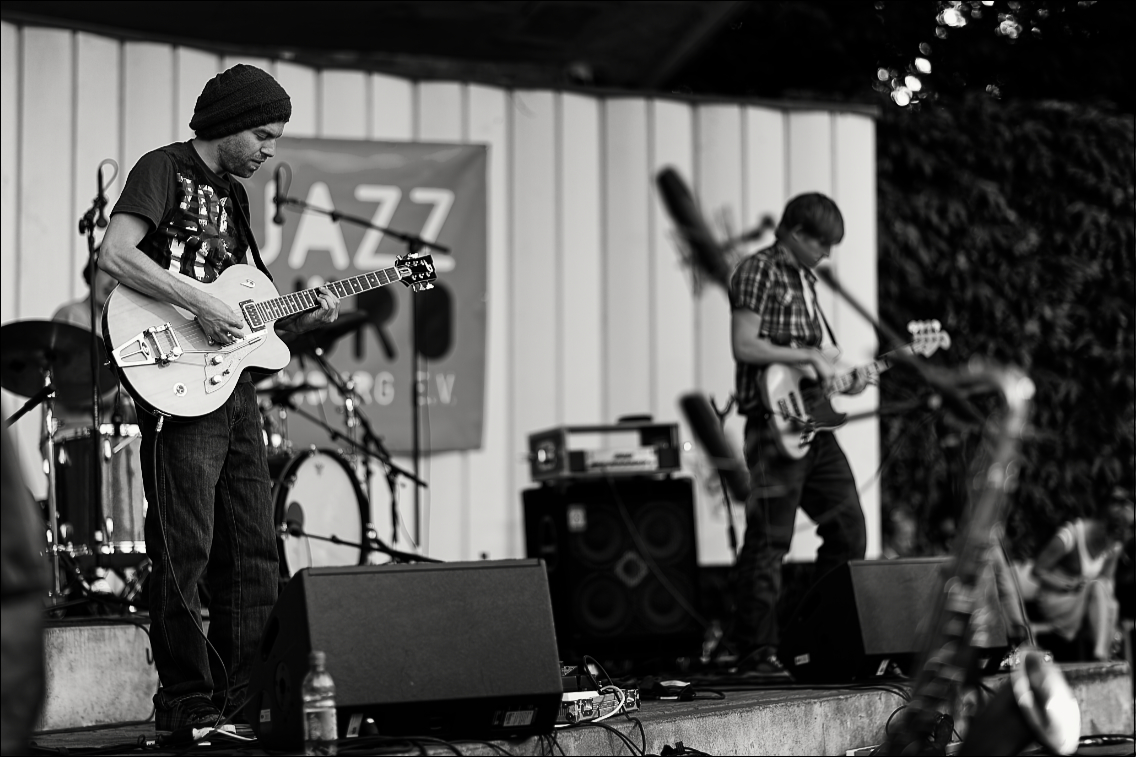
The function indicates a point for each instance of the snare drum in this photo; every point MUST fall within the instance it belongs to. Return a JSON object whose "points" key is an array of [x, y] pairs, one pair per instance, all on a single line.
{"points": [[327, 493], [120, 527]]}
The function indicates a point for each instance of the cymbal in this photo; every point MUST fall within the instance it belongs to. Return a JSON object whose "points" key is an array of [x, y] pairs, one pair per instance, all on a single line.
{"points": [[28, 349]]}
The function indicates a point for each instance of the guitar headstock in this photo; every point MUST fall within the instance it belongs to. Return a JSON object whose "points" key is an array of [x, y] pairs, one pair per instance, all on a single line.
{"points": [[416, 272], [928, 337]]}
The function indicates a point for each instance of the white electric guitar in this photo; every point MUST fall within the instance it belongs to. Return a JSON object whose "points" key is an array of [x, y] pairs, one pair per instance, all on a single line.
{"points": [[799, 407], [173, 369]]}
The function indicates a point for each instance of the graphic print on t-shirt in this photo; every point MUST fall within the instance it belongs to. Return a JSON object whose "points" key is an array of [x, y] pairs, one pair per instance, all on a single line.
{"points": [[202, 236]]}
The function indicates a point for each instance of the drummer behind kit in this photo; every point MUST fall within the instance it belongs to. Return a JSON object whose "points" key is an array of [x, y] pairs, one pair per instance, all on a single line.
{"points": [[49, 361]]}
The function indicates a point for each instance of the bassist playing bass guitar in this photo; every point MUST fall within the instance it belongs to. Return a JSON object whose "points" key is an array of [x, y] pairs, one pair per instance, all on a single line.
{"points": [[776, 320]]}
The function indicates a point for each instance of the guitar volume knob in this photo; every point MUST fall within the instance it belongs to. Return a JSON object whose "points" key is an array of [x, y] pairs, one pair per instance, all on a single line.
{"points": [[215, 380], [216, 360]]}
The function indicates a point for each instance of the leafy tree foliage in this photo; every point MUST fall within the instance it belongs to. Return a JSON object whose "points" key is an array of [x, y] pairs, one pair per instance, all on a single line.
{"points": [[1013, 224]]}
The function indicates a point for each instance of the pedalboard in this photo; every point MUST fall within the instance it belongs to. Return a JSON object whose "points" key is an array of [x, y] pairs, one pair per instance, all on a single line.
{"points": [[584, 706]]}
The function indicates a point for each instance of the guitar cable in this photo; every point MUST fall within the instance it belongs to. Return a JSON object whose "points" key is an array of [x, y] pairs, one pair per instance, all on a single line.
{"points": [[159, 489]]}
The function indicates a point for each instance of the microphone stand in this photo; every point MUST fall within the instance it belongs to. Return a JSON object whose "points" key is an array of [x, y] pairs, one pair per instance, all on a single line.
{"points": [[381, 453], [414, 245], [373, 543], [95, 217], [731, 532]]}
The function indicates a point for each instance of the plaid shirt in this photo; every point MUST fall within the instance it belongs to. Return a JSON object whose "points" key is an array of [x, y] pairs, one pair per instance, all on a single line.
{"points": [[769, 283]]}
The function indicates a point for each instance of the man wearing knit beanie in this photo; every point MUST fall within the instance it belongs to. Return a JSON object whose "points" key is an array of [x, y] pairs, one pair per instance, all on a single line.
{"points": [[182, 215]]}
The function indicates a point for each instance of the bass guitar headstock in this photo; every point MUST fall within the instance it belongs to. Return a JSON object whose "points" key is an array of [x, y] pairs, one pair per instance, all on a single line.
{"points": [[928, 337]]}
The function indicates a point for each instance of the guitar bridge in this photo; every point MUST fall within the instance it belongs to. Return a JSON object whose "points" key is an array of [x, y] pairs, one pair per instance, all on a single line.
{"points": [[153, 346]]}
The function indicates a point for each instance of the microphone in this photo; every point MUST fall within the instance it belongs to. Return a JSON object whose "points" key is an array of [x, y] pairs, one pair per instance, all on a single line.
{"points": [[101, 200], [278, 196], [679, 202], [707, 430], [294, 519]]}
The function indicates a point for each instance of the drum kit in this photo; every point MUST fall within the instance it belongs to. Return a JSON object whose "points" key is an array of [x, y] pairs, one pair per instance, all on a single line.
{"points": [[94, 514]]}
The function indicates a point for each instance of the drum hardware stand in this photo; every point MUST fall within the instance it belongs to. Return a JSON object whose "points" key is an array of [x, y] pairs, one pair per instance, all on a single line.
{"points": [[414, 245], [355, 418]]}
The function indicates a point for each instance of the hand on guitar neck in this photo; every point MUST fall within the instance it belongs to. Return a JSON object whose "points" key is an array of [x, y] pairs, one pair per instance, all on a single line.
{"points": [[797, 395]]}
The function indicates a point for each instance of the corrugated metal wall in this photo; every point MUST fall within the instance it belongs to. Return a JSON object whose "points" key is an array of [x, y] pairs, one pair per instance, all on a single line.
{"points": [[591, 314]]}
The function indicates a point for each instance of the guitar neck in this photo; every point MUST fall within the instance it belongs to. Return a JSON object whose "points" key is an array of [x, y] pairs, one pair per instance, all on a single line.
{"points": [[305, 300], [844, 381]]}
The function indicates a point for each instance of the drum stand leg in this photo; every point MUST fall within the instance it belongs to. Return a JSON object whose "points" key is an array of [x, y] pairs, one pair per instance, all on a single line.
{"points": [[53, 547]]}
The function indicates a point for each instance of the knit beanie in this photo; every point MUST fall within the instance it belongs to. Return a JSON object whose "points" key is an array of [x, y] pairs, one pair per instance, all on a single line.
{"points": [[243, 97]]}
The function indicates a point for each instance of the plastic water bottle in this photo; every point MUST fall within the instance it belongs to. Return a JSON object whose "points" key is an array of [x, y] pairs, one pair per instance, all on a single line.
{"points": [[320, 729]]}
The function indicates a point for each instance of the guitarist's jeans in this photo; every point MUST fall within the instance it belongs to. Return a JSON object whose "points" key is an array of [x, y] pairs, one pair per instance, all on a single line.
{"points": [[210, 506], [821, 483]]}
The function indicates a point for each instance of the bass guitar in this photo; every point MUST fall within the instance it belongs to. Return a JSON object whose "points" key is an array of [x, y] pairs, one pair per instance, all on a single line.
{"points": [[174, 370], [799, 407]]}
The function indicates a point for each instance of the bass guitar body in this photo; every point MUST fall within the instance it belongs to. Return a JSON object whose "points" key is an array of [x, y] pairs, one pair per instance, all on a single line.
{"points": [[164, 358], [798, 409]]}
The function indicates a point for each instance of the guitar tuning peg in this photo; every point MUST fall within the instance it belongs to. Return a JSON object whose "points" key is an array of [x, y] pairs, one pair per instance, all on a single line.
{"points": [[935, 325], [911, 327]]}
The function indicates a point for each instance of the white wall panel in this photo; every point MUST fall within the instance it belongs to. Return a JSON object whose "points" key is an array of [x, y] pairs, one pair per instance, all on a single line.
{"points": [[96, 138], [148, 100], [671, 136], [765, 169], [495, 502], [580, 247], [590, 312], [343, 109], [392, 108], [300, 84], [627, 286], [536, 369], [47, 162], [10, 115], [449, 527], [854, 189], [192, 69], [719, 185]]}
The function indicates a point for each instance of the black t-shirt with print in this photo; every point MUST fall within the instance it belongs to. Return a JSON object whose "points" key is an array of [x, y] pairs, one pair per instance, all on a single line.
{"points": [[199, 221]]}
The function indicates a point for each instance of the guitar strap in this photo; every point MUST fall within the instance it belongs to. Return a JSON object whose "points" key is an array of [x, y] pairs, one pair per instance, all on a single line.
{"points": [[246, 222], [810, 280]]}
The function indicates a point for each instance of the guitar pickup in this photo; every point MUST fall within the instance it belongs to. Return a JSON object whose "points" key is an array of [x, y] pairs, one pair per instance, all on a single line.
{"points": [[153, 346]]}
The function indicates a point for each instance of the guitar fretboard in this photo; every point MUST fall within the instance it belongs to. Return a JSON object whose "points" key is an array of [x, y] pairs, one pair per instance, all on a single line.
{"points": [[844, 382], [267, 311]]}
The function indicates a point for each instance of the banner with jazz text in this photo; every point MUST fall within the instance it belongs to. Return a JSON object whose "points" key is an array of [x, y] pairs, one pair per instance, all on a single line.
{"points": [[435, 191]]}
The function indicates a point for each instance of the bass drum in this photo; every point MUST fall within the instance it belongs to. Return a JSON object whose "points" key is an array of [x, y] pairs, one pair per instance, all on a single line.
{"points": [[317, 488]]}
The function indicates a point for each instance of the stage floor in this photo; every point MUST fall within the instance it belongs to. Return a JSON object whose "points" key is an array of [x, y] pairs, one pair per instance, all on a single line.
{"points": [[798, 720]]}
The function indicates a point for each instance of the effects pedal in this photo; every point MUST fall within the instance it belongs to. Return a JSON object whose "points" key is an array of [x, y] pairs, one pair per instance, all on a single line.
{"points": [[585, 706]]}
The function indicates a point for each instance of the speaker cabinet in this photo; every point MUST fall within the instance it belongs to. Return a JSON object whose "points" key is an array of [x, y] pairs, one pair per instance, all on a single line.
{"points": [[622, 565], [867, 613], [449, 650]]}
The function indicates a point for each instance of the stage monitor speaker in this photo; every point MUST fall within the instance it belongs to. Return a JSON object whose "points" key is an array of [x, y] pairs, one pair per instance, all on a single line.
{"points": [[445, 650], [622, 565], [866, 614]]}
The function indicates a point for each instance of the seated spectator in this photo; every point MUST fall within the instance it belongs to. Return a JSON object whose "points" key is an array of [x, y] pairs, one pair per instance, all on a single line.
{"points": [[1075, 572], [899, 534]]}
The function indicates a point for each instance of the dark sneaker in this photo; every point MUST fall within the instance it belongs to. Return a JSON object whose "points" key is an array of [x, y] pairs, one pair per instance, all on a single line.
{"points": [[196, 712], [763, 665]]}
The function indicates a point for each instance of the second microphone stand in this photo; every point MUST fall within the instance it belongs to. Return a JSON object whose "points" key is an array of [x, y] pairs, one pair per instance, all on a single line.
{"points": [[414, 245]]}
